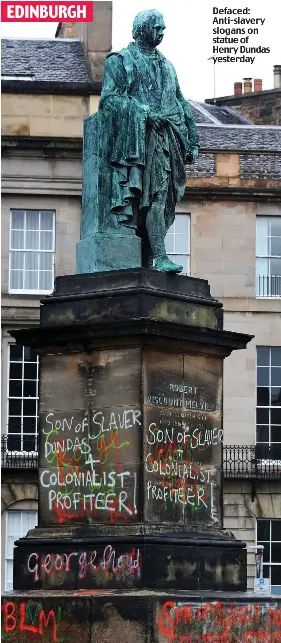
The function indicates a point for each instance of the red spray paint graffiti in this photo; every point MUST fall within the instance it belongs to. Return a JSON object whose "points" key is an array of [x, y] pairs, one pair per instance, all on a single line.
{"points": [[16, 619], [219, 623]]}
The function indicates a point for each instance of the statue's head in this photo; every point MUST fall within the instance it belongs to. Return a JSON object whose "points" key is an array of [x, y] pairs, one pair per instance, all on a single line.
{"points": [[149, 27]]}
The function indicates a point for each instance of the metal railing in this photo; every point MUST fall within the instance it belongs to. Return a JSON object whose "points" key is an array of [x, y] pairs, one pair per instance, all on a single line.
{"points": [[19, 452], [268, 285], [246, 462], [252, 462]]}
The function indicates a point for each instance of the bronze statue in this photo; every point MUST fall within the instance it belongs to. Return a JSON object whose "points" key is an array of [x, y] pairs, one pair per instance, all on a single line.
{"points": [[148, 135]]}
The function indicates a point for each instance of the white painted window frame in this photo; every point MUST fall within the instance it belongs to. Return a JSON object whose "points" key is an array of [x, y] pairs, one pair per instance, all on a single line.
{"points": [[268, 219], [21, 398], [27, 291], [9, 558], [262, 542], [172, 234], [269, 443]]}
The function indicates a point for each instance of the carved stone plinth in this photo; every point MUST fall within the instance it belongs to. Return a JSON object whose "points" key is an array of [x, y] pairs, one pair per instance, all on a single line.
{"points": [[98, 252], [130, 437]]}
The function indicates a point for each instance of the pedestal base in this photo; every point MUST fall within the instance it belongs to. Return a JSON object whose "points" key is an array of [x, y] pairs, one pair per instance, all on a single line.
{"points": [[103, 252], [115, 558], [99, 616]]}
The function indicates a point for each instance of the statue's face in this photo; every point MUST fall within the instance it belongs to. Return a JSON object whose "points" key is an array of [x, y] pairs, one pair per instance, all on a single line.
{"points": [[154, 32]]}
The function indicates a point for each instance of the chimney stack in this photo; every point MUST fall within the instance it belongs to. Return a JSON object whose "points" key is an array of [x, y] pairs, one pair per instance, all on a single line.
{"points": [[237, 89], [96, 37], [277, 76], [247, 85], [257, 85]]}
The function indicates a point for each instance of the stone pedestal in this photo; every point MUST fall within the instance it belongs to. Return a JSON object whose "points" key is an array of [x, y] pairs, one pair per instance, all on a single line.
{"points": [[130, 544], [130, 437]]}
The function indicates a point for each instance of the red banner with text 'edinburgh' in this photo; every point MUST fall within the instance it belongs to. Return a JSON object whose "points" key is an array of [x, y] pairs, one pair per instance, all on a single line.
{"points": [[49, 11]]}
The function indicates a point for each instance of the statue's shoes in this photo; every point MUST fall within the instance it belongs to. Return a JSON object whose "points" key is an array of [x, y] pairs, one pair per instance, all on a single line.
{"points": [[164, 264]]}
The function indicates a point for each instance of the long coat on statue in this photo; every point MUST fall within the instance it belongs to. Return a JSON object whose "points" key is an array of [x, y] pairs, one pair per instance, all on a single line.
{"points": [[138, 159]]}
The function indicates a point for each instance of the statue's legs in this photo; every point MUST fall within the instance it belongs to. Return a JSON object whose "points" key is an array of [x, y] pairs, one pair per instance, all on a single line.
{"points": [[156, 230]]}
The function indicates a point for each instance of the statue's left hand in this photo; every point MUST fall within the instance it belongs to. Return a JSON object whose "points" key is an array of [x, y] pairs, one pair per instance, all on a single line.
{"points": [[192, 156]]}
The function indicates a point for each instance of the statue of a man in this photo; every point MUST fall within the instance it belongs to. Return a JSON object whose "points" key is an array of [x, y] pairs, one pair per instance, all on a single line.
{"points": [[153, 136]]}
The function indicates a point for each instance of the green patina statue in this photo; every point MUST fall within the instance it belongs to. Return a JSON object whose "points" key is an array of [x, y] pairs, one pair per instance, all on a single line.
{"points": [[135, 152]]}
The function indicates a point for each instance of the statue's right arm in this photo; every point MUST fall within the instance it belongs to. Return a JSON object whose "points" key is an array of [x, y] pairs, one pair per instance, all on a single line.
{"points": [[123, 118], [115, 91], [114, 82]]}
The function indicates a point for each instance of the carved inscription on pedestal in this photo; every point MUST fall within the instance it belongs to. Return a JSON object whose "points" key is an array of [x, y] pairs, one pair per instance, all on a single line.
{"points": [[183, 438]]}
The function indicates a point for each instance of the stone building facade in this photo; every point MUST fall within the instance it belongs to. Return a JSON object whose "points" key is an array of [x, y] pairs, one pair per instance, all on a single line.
{"points": [[231, 205]]}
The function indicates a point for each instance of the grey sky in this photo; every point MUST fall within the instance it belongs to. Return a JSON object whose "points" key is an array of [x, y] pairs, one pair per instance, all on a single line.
{"points": [[188, 40]]}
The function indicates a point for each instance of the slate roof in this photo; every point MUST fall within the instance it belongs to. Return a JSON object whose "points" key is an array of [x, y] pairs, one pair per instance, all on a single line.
{"points": [[53, 60], [240, 138], [200, 117], [225, 115], [210, 114]]}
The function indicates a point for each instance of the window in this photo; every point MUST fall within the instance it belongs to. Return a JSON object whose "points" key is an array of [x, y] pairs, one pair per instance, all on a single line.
{"points": [[177, 242], [32, 242], [268, 419], [18, 523], [268, 253], [269, 535], [22, 399]]}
